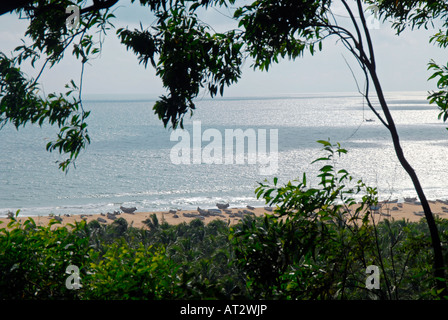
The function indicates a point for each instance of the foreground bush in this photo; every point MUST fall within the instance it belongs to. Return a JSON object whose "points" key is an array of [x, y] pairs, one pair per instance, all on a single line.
{"points": [[187, 261], [257, 258], [319, 242], [34, 260], [132, 273]]}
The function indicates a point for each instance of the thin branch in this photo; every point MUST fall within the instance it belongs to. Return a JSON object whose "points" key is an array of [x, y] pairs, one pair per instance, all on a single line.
{"points": [[353, 75], [365, 94], [80, 87], [369, 103], [352, 17], [375, 112], [360, 56], [379, 256], [367, 33], [367, 86], [72, 37]]}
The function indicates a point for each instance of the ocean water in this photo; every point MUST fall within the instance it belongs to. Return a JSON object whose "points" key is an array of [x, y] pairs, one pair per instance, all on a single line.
{"points": [[128, 161]]}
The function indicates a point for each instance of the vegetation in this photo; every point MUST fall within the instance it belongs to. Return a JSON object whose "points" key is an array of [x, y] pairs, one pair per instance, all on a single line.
{"points": [[304, 236], [189, 56], [316, 245]]}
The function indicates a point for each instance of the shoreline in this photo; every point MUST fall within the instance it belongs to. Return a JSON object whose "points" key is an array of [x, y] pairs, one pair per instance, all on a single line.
{"points": [[408, 210]]}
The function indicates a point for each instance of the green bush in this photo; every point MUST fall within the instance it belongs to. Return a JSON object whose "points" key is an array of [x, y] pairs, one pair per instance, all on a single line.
{"points": [[205, 257], [319, 242], [124, 272], [34, 259]]}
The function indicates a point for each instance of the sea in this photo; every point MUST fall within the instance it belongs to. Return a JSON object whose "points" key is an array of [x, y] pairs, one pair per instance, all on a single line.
{"points": [[130, 161]]}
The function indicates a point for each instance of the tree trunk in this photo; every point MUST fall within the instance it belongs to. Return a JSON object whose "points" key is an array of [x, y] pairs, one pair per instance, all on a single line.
{"points": [[435, 239]]}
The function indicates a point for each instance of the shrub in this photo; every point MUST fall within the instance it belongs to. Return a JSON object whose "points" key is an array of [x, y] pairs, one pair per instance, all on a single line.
{"points": [[34, 259], [124, 272], [319, 241]]}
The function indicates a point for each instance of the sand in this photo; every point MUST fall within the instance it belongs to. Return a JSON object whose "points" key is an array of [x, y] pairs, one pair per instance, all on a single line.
{"points": [[137, 219], [411, 211]]}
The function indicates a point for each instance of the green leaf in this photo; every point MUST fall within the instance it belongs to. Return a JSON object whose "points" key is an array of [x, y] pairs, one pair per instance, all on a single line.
{"points": [[324, 142]]}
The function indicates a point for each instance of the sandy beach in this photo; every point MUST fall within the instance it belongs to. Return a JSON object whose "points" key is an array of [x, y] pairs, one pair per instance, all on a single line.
{"points": [[411, 211], [136, 219]]}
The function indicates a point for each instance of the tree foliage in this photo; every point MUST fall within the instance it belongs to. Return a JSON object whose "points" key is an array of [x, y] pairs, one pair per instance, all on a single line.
{"points": [[22, 100], [415, 14], [189, 58]]}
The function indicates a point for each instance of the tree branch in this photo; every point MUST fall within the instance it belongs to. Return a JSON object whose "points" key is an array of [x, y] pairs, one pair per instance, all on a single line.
{"points": [[352, 17], [10, 5], [7, 6], [367, 33], [98, 5]]}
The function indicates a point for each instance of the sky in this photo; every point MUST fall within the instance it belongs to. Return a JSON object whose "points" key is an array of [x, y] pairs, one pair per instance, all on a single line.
{"points": [[401, 62]]}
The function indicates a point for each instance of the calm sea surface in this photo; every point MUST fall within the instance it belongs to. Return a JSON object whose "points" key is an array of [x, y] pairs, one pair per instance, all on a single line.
{"points": [[128, 161]]}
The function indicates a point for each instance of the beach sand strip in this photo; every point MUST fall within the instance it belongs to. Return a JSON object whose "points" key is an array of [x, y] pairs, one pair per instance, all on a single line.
{"points": [[411, 211]]}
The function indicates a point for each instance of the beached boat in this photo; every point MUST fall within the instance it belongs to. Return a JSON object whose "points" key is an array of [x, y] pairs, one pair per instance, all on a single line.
{"points": [[128, 210]]}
